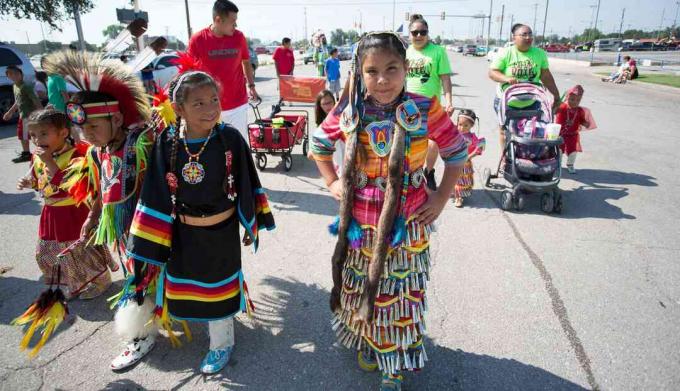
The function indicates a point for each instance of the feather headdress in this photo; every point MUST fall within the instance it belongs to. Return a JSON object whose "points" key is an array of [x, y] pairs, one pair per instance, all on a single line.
{"points": [[90, 72]]}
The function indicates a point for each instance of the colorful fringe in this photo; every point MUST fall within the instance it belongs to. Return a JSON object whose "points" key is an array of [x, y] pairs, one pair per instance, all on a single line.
{"points": [[398, 326], [463, 187], [80, 178], [46, 313]]}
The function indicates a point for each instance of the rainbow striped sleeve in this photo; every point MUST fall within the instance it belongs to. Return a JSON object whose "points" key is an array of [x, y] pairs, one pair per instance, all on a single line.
{"points": [[150, 236], [325, 136], [440, 129]]}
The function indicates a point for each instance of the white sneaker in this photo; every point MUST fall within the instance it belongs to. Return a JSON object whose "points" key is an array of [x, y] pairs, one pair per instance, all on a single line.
{"points": [[571, 169], [133, 352]]}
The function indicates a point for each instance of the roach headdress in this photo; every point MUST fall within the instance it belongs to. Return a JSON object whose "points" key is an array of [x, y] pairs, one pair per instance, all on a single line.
{"points": [[90, 73]]}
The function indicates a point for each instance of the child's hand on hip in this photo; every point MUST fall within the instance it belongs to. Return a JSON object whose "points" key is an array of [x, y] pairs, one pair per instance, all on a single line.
{"points": [[432, 208]]}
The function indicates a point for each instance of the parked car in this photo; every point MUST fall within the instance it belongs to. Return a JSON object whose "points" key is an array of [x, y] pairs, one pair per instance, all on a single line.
{"points": [[458, 49], [556, 48], [261, 50], [492, 54], [164, 68], [309, 56], [470, 50], [481, 51], [344, 53], [10, 55]]}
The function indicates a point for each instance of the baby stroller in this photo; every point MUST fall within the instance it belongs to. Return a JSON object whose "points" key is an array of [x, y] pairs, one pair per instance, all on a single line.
{"points": [[531, 162]]}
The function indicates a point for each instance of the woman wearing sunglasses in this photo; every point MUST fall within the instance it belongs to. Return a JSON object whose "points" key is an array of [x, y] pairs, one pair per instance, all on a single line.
{"points": [[428, 72], [522, 63]]}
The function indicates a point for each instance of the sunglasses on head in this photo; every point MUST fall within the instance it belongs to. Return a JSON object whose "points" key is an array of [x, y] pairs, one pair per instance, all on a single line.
{"points": [[422, 33]]}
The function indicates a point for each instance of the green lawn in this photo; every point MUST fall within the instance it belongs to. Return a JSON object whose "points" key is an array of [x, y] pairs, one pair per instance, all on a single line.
{"points": [[656, 78]]}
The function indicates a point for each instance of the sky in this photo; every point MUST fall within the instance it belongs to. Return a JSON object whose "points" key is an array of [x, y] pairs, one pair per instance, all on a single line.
{"points": [[271, 20]]}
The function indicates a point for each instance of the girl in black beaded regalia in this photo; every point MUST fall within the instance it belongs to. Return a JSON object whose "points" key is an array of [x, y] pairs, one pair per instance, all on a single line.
{"points": [[200, 184]]}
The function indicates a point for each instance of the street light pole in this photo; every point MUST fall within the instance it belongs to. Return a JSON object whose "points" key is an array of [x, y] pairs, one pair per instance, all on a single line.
{"points": [[140, 39], [597, 15], [545, 19], [623, 12], [394, 9], [488, 33], [500, 32], [79, 28], [186, 8]]}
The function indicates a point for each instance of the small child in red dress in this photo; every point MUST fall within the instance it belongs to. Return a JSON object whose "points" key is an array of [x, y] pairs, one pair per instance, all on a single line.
{"points": [[85, 269], [572, 117]]}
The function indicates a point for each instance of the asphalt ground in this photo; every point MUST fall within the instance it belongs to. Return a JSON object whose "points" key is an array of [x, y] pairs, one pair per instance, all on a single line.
{"points": [[588, 299]]}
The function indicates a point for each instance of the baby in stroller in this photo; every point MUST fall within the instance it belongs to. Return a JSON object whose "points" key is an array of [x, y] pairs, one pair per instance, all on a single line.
{"points": [[530, 161]]}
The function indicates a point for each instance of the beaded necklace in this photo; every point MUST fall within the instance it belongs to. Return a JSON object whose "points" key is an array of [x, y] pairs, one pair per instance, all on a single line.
{"points": [[193, 171]]}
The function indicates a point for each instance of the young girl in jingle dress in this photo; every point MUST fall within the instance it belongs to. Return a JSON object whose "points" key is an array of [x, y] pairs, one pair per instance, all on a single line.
{"points": [[381, 260]]}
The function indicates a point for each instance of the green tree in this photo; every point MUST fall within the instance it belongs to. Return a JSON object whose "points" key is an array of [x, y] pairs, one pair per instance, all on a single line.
{"points": [[88, 47], [112, 31], [338, 37], [352, 36], [50, 46], [52, 12]]}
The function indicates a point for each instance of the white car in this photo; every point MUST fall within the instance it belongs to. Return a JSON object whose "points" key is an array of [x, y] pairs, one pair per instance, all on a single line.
{"points": [[492, 54], [164, 68]]}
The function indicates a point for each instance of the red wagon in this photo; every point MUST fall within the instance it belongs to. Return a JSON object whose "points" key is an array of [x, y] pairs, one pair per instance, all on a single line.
{"points": [[277, 136], [285, 128]]}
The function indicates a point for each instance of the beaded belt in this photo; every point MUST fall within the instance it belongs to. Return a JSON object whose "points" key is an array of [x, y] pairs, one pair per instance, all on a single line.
{"points": [[362, 180]]}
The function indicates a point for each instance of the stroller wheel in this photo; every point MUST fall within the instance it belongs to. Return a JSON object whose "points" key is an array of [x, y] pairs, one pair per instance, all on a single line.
{"points": [[486, 176], [287, 162], [547, 202], [261, 161], [506, 200], [558, 203], [520, 201]]}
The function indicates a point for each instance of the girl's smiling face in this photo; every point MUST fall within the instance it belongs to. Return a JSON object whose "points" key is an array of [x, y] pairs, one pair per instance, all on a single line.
{"points": [[464, 125], [384, 74], [201, 108]]}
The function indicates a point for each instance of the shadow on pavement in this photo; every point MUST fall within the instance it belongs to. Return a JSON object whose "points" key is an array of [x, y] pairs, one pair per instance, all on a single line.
{"points": [[19, 204], [290, 345], [450, 369], [597, 178], [123, 384]]}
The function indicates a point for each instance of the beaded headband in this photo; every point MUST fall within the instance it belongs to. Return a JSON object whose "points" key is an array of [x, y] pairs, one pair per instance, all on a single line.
{"points": [[182, 79], [79, 113]]}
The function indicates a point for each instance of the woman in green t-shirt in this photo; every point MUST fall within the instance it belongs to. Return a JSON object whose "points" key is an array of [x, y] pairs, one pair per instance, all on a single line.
{"points": [[522, 62], [429, 72]]}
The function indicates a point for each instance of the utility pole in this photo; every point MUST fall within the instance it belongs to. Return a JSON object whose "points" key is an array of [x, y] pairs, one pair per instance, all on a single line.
{"points": [[79, 28], [597, 15], [675, 20], [140, 39], [545, 19], [512, 21], [42, 31], [488, 33], [500, 31], [533, 27], [623, 12], [186, 10], [394, 9], [658, 34], [306, 36]]}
